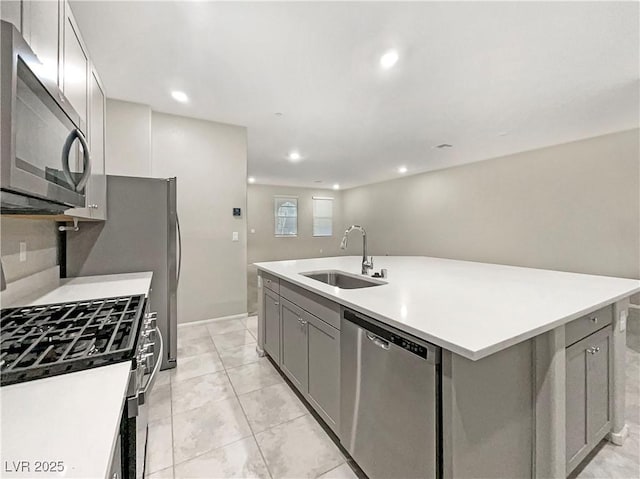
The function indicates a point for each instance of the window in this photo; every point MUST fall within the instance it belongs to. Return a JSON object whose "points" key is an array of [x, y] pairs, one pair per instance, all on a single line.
{"points": [[322, 216], [286, 216]]}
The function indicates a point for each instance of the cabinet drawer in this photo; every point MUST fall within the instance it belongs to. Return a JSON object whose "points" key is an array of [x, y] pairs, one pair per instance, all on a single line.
{"points": [[317, 305], [271, 282], [586, 325]]}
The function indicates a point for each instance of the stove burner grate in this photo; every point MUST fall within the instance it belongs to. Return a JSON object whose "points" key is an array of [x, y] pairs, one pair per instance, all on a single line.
{"points": [[39, 341]]}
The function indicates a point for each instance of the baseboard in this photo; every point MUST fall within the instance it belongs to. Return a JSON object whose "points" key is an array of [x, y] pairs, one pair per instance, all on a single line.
{"points": [[618, 438], [213, 320]]}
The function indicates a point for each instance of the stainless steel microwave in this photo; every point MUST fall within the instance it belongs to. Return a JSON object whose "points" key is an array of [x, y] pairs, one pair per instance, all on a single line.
{"points": [[45, 162]]}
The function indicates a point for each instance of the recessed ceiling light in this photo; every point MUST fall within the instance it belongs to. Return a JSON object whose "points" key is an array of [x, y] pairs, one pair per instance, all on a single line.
{"points": [[251, 179], [294, 156], [336, 186], [388, 59], [402, 169], [180, 96]]}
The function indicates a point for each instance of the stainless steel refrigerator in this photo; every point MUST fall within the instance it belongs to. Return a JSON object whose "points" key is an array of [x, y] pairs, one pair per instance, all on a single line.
{"points": [[142, 233]]}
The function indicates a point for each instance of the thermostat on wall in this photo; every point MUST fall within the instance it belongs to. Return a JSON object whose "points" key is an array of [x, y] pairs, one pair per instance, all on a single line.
{"points": [[237, 212]]}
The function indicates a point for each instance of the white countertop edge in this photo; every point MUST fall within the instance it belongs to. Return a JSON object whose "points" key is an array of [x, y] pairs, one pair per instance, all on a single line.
{"points": [[22, 402], [85, 288], [473, 355]]}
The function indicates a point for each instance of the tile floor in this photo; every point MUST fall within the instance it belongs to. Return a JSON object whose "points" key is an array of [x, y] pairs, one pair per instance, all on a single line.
{"points": [[224, 412]]}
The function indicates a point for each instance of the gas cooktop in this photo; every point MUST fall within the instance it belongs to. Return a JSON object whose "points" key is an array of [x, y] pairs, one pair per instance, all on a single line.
{"points": [[42, 341]]}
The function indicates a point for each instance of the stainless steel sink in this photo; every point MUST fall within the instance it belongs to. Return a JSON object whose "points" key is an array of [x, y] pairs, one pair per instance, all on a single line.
{"points": [[343, 280]]}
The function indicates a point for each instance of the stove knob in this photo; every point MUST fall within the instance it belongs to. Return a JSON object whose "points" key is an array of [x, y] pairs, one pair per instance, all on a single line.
{"points": [[151, 322], [149, 334], [148, 348]]}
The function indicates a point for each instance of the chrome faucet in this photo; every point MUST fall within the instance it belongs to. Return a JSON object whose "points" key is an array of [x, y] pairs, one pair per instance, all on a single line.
{"points": [[367, 263]]}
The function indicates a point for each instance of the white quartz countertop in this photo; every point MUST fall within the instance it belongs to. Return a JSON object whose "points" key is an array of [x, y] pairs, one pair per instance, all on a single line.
{"points": [[89, 287], [472, 309], [73, 418]]}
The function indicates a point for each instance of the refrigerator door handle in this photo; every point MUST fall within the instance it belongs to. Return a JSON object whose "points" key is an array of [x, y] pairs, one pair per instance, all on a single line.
{"points": [[179, 249]]}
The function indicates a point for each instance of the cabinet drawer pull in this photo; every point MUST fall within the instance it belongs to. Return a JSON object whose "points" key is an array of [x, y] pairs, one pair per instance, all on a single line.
{"points": [[276, 303], [594, 319]]}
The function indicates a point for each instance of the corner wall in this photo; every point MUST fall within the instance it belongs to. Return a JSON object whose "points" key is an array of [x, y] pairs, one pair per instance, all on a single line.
{"points": [[210, 161], [263, 245], [571, 207]]}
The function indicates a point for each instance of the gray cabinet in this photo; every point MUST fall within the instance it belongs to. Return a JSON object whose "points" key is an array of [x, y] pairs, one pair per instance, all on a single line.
{"points": [[294, 359], [588, 395], [323, 391], [271, 312], [97, 185], [305, 346]]}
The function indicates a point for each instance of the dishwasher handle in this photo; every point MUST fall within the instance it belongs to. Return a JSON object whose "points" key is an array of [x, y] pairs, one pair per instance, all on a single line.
{"points": [[381, 343]]}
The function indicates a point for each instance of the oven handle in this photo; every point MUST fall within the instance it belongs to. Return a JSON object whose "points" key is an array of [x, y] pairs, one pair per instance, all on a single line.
{"points": [[86, 159], [142, 395]]}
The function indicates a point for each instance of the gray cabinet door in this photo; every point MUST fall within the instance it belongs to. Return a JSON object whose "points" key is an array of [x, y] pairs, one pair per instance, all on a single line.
{"points": [[271, 308], [97, 187], [324, 370], [294, 359], [588, 395], [576, 404], [598, 390]]}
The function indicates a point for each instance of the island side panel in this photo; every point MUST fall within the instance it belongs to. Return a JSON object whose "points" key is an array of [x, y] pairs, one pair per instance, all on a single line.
{"points": [[619, 429], [550, 404], [260, 340], [488, 414]]}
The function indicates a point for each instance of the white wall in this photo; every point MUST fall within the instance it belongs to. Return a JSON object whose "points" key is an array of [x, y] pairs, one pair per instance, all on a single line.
{"points": [[571, 207], [263, 245], [210, 161], [128, 141]]}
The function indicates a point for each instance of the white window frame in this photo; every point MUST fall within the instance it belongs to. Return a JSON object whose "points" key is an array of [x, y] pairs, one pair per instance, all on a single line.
{"points": [[313, 226], [276, 216]]}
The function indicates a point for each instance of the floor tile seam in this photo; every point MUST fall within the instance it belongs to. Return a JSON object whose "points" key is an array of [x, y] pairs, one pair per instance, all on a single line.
{"points": [[264, 460]]}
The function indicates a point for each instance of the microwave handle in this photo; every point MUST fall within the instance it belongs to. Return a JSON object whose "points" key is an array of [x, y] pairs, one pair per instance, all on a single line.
{"points": [[86, 159]]}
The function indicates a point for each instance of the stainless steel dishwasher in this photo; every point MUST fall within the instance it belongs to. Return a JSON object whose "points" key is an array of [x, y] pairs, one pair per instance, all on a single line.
{"points": [[389, 407]]}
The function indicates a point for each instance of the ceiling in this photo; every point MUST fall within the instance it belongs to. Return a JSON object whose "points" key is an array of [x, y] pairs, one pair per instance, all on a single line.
{"points": [[489, 78]]}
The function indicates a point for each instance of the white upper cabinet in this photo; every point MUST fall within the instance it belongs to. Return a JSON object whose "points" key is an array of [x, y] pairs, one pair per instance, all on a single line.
{"points": [[97, 187], [41, 29], [10, 11], [74, 66]]}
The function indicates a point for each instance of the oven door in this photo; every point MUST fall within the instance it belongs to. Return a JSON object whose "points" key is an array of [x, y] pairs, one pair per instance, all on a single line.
{"points": [[136, 435], [44, 152]]}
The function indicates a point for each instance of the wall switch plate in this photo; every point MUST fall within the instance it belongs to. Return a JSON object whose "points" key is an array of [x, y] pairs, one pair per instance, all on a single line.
{"points": [[234, 236], [623, 320], [23, 251]]}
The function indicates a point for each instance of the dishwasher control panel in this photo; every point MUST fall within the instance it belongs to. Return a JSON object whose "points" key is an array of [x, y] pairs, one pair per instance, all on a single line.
{"points": [[404, 343], [387, 336]]}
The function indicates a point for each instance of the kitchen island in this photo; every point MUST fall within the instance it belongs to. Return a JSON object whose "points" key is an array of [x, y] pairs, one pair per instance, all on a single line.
{"points": [[516, 349]]}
